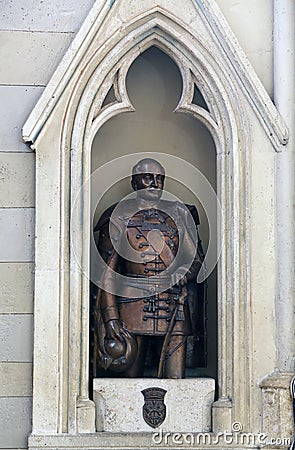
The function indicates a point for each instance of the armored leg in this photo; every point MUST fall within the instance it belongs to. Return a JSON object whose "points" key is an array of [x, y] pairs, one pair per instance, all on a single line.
{"points": [[137, 368], [175, 358]]}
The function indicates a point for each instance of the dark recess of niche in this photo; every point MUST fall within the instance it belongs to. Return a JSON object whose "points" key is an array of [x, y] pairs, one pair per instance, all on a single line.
{"points": [[156, 59], [198, 99], [110, 97]]}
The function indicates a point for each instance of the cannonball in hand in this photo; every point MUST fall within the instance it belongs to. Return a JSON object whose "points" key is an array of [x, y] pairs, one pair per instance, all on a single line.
{"points": [[115, 348]]}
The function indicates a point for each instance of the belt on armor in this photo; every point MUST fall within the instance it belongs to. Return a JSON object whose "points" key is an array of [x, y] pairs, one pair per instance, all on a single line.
{"points": [[147, 285], [150, 284], [144, 277]]}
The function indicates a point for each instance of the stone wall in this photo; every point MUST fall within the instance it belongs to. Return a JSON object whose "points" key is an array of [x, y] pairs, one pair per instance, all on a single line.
{"points": [[34, 36]]}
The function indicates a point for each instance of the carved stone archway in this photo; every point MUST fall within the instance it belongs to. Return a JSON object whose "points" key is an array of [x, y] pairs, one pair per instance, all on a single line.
{"points": [[227, 123], [62, 129]]}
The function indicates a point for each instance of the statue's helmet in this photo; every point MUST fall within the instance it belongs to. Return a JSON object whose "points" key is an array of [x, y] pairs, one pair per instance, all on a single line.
{"points": [[122, 354]]}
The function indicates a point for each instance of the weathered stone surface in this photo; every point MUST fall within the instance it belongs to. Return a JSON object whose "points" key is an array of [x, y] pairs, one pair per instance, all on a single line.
{"points": [[17, 234], [15, 422], [43, 15], [31, 57], [17, 180], [119, 404], [16, 337], [15, 106], [16, 287], [245, 17], [15, 379], [154, 440], [277, 410]]}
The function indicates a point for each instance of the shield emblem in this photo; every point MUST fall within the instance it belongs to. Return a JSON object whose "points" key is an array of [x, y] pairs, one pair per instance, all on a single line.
{"points": [[154, 408]]}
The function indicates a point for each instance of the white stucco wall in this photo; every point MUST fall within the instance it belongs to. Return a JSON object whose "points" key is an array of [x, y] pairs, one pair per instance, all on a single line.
{"points": [[34, 35], [251, 21]]}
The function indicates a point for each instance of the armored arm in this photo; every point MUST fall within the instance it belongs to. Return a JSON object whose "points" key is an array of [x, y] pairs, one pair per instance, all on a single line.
{"points": [[106, 299], [191, 240]]}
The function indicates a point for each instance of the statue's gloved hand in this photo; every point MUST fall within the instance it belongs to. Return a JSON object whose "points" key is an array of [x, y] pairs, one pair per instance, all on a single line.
{"points": [[113, 330]]}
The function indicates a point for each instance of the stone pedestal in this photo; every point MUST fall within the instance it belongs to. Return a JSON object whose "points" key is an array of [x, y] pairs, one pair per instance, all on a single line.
{"points": [[277, 411], [119, 404]]}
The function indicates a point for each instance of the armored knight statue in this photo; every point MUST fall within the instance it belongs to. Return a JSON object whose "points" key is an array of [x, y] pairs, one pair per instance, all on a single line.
{"points": [[166, 320]]}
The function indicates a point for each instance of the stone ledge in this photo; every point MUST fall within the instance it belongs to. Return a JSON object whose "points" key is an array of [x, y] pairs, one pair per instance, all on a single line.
{"points": [[142, 441], [277, 380]]}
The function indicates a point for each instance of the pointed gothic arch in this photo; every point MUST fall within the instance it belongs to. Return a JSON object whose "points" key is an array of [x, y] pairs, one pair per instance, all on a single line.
{"points": [[228, 126]]}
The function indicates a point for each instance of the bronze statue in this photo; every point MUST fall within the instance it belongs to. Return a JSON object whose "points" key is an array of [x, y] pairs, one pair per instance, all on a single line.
{"points": [[169, 310]]}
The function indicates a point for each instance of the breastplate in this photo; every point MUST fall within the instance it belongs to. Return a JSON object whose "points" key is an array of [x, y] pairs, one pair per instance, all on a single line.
{"points": [[151, 315], [154, 235]]}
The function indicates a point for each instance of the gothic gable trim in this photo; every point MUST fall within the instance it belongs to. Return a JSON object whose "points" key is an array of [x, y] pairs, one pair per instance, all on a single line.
{"points": [[259, 98], [220, 39]]}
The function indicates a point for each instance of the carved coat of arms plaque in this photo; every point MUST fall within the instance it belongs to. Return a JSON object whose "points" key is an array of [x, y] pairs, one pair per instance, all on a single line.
{"points": [[154, 408]]}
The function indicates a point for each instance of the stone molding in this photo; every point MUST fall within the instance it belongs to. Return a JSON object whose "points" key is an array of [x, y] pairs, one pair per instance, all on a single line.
{"points": [[219, 31]]}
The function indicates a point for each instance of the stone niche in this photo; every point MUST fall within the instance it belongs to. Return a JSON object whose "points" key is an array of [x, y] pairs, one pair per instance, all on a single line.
{"points": [[247, 131]]}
